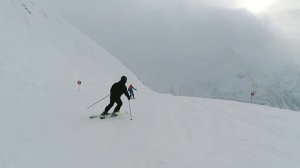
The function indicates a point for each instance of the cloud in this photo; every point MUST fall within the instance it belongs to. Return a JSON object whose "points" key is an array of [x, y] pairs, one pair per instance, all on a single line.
{"points": [[152, 32], [286, 16]]}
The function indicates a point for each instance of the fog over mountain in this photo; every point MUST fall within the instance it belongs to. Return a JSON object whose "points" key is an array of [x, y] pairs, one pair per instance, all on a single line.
{"points": [[194, 48]]}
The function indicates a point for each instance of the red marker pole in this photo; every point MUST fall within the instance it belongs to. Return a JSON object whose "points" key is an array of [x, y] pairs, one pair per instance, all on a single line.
{"points": [[252, 95], [79, 83]]}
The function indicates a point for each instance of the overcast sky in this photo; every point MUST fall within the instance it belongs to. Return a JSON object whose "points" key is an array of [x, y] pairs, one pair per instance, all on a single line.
{"points": [[107, 21], [282, 13], [138, 30]]}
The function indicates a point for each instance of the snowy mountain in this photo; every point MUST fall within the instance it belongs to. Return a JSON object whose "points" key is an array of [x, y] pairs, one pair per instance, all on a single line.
{"points": [[44, 120], [199, 51]]}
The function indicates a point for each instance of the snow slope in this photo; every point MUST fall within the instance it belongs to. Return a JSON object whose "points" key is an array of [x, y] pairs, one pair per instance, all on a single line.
{"points": [[44, 120]]}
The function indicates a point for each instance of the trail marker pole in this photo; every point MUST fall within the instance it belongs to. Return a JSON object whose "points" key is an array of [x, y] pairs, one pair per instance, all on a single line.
{"points": [[79, 83], [252, 94]]}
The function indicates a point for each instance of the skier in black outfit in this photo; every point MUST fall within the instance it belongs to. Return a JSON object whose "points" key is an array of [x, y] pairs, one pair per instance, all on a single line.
{"points": [[116, 92]]}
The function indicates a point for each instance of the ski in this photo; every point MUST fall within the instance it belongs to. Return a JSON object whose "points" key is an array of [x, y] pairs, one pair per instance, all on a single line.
{"points": [[94, 116], [106, 116]]}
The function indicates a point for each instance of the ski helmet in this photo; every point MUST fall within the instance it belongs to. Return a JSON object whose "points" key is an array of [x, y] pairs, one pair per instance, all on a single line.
{"points": [[124, 79]]}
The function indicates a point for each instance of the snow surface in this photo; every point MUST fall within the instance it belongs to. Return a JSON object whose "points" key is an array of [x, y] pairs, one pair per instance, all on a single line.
{"points": [[44, 117]]}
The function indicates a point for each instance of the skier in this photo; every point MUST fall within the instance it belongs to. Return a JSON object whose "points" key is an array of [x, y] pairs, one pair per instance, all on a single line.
{"points": [[130, 89], [116, 91]]}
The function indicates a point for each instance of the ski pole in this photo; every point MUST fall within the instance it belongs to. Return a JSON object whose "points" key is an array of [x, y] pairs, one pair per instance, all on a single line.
{"points": [[98, 101], [130, 111]]}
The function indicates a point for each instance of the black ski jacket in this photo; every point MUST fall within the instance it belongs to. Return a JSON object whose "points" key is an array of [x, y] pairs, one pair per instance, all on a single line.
{"points": [[118, 89]]}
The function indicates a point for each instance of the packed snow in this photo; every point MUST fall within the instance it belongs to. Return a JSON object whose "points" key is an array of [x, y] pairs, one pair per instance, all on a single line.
{"points": [[45, 121]]}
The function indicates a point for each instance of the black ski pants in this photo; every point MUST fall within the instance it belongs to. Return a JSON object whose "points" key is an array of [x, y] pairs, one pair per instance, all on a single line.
{"points": [[112, 102]]}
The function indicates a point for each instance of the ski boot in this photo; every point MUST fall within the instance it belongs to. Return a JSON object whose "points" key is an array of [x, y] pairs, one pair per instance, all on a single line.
{"points": [[103, 115], [114, 114]]}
